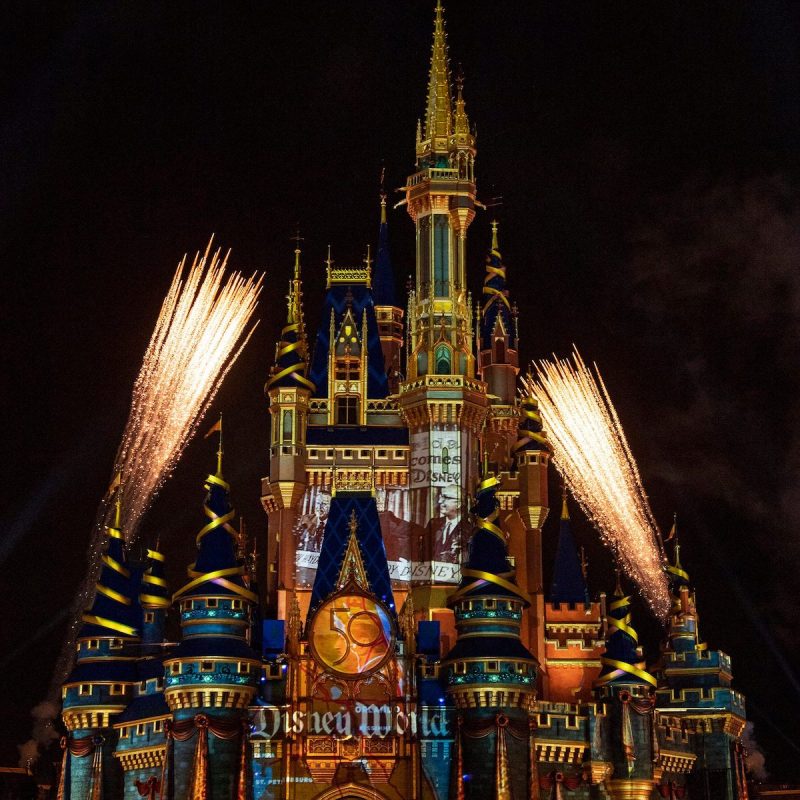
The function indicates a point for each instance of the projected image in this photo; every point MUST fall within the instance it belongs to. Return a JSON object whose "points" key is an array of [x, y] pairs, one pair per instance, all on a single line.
{"points": [[393, 512]]}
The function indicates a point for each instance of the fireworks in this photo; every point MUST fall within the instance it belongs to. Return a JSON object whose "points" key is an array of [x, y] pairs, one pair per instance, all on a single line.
{"points": [[202, 320], [592, 453]]}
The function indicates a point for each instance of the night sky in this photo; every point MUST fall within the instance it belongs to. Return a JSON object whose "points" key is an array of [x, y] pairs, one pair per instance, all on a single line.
{"points": [[647, 158]]}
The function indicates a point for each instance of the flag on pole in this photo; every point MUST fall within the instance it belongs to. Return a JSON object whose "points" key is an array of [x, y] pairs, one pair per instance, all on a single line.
{"points": [[113, 485], [673, 530], [216, 427]]}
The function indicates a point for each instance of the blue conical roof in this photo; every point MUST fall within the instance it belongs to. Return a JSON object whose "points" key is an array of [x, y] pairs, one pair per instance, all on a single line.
{"points": [[383, 288], [569, 585], [113, 611]]}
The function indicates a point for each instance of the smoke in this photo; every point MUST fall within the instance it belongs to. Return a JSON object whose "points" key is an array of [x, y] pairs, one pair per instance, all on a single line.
{"points": [[754, 755], [44, 716], [715, 277]]}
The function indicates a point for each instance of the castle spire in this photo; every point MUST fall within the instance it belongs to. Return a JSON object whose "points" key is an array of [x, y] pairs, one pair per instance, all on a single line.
{"points": [[622, 661], [291, 358], [569, 584], [439, 111], [496, 310]]}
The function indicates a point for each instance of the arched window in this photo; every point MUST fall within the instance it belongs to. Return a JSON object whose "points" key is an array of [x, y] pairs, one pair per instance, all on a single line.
{"points": [[287, 426], [500, 351], [443, 360]]}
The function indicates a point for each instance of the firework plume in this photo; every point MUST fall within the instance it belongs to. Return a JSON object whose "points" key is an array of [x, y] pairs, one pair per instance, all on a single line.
{"points": [[592, 453], [199, 334]]}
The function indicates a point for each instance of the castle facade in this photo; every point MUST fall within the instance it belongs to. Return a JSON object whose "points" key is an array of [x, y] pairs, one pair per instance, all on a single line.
{"points": [[399, 642]]}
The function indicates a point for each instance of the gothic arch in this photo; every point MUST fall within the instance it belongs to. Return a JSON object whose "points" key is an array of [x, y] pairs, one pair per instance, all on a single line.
{"points": [[345, 791]]}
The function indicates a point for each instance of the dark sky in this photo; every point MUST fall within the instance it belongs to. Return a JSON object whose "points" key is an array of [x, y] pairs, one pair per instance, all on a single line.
{"points": [[647, 156]]}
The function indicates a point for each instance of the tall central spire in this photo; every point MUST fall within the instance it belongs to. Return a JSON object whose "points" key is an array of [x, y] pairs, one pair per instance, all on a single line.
{"points": [[439, 114]]}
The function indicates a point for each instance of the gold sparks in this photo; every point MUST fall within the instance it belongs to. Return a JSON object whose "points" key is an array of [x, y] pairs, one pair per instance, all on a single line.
{"points": [[194, 345], [199, 334], [593, 455]]}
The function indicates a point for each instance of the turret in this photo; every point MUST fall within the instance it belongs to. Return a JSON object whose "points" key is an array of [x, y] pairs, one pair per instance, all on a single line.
{"points": [[387, 309], [211, 676], [491, 675], [695, 688], [572, 623], [532, 452], [141, 728], [499, 339], [626, 689], [154, 599], [288, 390], [100, 686]]}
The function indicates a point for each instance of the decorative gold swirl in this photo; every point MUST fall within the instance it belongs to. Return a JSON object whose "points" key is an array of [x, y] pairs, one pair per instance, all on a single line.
{"points": [[114, 595], [220, 576], [115, 565], [491, 272], [622, 668], [109, 623]]}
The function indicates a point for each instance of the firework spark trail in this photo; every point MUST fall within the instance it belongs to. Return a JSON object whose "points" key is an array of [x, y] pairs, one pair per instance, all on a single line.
{"points": [[592, 453], [194, 344]]}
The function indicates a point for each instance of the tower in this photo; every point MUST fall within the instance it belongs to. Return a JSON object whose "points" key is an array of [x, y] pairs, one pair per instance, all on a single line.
{"points": [[442, 402], [100, 686], [491, 675], [626, 689], [498, 342], [573, 642], [212, 674], [695, 690], [141, 728], [288, 390], [387, 310], [532, 453]]}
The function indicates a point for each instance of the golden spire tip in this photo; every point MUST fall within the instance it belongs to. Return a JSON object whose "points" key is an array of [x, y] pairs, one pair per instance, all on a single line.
{"points": [[564, 508]]}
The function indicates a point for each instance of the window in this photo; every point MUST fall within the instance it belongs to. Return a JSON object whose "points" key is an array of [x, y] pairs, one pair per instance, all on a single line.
{"points": [[347, 410], [287, 426], [381, 454], [347, 368], [273, 671], [364, 454], [140, 728], [94, 644], [489, 603], [143, 686], [443, 360], [461, 668], [85, 688], [175, 669], [116, 688], [158, 725], [441, 256], [492, 666], [244, 668], [212, 602], [236, 605], [124, 732], [149, 617], [115, 644], [206, 666]]}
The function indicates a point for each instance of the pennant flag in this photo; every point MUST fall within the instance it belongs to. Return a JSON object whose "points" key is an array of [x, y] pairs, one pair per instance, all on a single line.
{"points": [[216, 427], [673, 530], [113, 485]]}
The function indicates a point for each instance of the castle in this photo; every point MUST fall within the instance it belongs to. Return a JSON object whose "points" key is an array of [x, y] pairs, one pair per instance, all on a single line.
{"points": [[400, 643]]}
